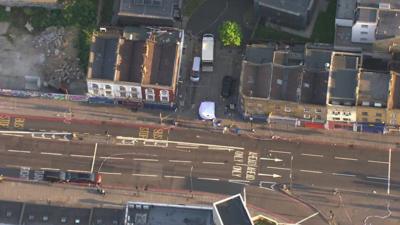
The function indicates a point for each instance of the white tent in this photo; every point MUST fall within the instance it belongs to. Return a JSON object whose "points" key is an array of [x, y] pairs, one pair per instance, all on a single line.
{"points": [[207, 110]]}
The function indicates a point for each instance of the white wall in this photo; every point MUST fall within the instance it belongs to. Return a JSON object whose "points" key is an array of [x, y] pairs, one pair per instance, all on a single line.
{"points": [[115, 91], [363, 32], [344, 22], [341, 113]]}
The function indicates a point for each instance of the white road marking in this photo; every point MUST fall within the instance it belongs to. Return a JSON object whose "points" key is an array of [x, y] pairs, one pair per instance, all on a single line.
{"points": [[312, 155], [15, 135], [373, 161], [377, 178], [282, 152], [110, 157], [176, 177], [311, 171], [207, 178], [81, 156], [79, 171], [343, 174], [270, 175], [45, 168], [19, 151], [343, 158], [149, 160], [50, 153], [110, 173], [180, 161], [239, 181], [180, 146], [277, 168], [144, 175], [213, 163]]}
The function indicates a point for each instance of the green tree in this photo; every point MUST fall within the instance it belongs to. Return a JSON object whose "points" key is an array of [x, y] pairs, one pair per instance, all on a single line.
{"points": [[230, 34]]}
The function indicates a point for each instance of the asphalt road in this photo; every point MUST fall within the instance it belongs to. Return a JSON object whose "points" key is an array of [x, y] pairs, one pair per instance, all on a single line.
{"points": [[177, 162]]}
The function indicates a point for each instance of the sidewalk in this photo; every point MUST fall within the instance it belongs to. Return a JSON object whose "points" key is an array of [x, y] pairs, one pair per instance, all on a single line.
{"points": [[94, 114], [280, 207]]}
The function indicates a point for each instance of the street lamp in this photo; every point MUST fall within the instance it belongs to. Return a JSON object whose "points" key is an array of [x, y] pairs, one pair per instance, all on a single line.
{"points": [[291, 172], [251, 123], [191, 181]]}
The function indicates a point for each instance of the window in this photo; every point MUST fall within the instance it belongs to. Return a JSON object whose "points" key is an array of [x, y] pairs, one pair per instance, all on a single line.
{"points": [[164, 95], [288, 109], [364, 119], [134, 93], [95, 89], [31, 217], [306, 110], [379, 114], [364, 113], [122, 91], [363, 39], [108, 93], [336, 113], [335, 118], [108, 87], [346, 119], [364, 32], [318, 110], [364, 26], [307, 116], [378, 120], [63, 219], [318, 117], [45, 218], [150, 94], [347, 113]]}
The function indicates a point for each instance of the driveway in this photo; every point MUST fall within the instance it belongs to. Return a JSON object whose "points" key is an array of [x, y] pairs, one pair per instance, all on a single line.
{"points": [[209, 17]]}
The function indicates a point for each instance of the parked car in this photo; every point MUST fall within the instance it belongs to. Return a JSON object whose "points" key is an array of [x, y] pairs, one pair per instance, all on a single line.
{"points": [[54, 176], [227, 86], [77, 177]]}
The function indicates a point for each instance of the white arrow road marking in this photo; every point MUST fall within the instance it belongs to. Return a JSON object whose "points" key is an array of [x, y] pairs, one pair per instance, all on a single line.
{"points": [[270, 185], [270, 175]]}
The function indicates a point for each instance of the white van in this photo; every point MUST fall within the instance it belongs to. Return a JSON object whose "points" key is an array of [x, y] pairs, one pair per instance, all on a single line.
{"points": [[195, 75]]}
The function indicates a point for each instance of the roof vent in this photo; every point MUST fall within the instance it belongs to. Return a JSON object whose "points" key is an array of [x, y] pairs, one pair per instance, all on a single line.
{"points": [[279, 81]]}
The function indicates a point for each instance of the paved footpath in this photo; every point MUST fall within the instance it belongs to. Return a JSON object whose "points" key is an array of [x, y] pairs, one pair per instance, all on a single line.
{"points": [[82, 113], [280, 206]]}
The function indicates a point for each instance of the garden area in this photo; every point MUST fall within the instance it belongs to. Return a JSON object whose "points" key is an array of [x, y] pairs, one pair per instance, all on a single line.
{"points": [[324, 29]]}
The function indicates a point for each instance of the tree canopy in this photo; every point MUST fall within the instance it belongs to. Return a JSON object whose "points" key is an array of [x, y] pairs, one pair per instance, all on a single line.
{"points": [[230, 34]]}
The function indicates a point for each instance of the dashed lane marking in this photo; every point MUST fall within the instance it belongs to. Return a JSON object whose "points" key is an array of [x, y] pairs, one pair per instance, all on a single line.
{"points": [[144, 175], [312, 155], [15, 135], [207, 178], [109, 173], [81, 156], [282, 152], [19, 151], [50, 153], [344, 158], [79, 171], [278, 168], [46, 168], [174, 177], [110, 157], [377, 178], [381, 162], [192, 147], [148, 160], [311, 171], [344, 174], [180, 161], [213, 163]]}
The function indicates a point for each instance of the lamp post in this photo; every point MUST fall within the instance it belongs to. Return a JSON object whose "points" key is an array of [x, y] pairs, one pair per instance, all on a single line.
{"points": [[191, 181], [251, 123], [291, 172]]}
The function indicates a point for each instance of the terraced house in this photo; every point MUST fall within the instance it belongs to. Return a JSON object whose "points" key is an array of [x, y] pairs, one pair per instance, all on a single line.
{"points": [[138, 65]]}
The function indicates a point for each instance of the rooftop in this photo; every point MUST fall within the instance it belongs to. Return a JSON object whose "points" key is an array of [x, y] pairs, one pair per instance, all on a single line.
{"points": [[104, 51], [285, 82], [259, 53], [345, 9], [366, 15], [291, 6], [148, 8], [141, 213], [256, 79], [232, 211], [373, 88], [388, 24]]}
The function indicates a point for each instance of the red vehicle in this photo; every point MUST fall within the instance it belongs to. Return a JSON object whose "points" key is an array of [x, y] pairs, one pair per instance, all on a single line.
{"points": [[89, 178]]}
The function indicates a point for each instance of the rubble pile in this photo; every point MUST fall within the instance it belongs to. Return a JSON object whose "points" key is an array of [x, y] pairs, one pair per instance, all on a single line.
{"points": [[51, 40], [67, 71]]}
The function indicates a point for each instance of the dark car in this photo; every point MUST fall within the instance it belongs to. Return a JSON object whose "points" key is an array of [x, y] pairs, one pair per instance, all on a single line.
{"points": [[54, 176], [77, 177], [227, 86]]}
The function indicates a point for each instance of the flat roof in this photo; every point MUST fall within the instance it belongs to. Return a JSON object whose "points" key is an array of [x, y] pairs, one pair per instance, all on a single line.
{"points": [[232, 211], [343, 85], [105, 56], [148, 8], [373, 88], [141, 213], [163, 63], [388, 24], [259, 53], [291, 6], [44, 214], [345, 9], [256, 79], [285, 82], [314, 87], [10, 212], [131, 53], [376, 62], [366, 15]]}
